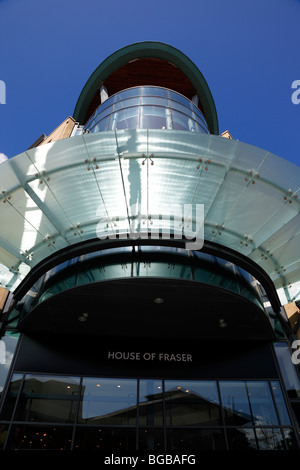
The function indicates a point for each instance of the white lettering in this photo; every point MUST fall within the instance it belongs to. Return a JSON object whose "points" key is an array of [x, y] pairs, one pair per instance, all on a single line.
{"points": [[171, 459], [132, 356], [175, 357], [114, 460], [2, 352], [149, 356], [172, 222], [296, 94], [2, 92], [295, 355]]}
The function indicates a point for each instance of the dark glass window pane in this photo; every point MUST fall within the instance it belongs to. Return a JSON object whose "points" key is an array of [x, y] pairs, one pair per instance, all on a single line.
{"points": [[11, 397], [151, 439], [241, 439], [261, 403], [8, 344], [150, 403], [94, 438], [196, 439], [270, 439], [290, 439], [39, 438], [280, 403], [191, 403], [108, 401], [3, 435], [46, 398], [235, 403], [296, 412]]}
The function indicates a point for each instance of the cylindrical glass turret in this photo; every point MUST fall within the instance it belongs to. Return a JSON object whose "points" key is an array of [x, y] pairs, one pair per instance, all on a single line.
{"points": [[147, 107]]}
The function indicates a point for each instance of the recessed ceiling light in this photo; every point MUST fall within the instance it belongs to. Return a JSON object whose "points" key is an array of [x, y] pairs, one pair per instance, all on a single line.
{"points": [[158, 300], [222, 323]]}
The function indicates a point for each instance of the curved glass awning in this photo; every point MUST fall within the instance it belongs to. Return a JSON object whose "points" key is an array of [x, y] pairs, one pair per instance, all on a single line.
{"points": [[97, 185]]}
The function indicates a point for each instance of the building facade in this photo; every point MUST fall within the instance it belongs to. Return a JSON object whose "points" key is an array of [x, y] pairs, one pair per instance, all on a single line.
{"points": [[143, 256]]}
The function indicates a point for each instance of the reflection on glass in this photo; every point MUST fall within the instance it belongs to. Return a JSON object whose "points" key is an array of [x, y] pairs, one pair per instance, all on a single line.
{"points": [[11, 397], [47, 398], [200, 439], [150, 402], [108, 401], [150, 414], [280, 404], [191, 403], [94, 438], [290, 439], [151, 439], [235, 403], [39, 438], [147, 108], [261, 403], [270, 439], [8, 344], [241, 439]]}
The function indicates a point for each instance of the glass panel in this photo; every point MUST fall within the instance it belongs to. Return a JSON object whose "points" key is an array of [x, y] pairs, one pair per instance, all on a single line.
{"points": [[125, 119], [262, 406], [280, 403], [241, 439], [101, 125], [288, 370], [8, 344], [180, 121], [150, 403], [108, 401], [39, 438], [154, 91], [126, 103], [71, 189], [47, 398], [156, 101], [3, 435], [135, 91], [296, 413], [235, 403], [290, 439], [200, 439], [270, 439], [11, 397], [191, 403], [151, 439], [153, 117], [94, 438]]}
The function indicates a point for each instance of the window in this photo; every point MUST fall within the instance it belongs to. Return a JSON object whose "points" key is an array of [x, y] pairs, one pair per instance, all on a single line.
{"points": [[46, 398], [85, 413], [108, 401]]}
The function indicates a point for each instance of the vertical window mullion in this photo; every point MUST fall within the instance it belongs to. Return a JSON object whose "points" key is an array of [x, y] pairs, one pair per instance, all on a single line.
{"points": [[222, 414]]}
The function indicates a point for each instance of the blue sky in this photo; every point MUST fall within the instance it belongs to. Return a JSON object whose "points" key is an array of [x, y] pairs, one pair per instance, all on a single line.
{"points": [[247, 50]]}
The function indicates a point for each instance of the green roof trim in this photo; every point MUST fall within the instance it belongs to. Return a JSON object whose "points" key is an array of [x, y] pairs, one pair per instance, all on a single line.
{"points": [[148, 49]]}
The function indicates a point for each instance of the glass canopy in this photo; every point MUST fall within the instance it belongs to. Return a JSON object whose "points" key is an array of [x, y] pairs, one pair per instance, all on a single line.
{"points": [[97, 184]]}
